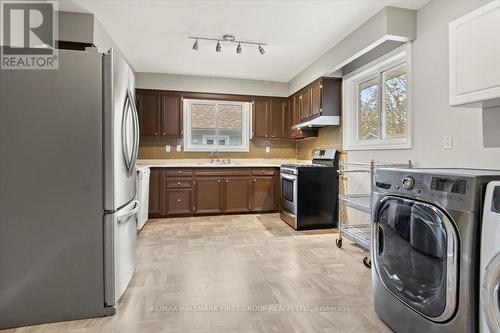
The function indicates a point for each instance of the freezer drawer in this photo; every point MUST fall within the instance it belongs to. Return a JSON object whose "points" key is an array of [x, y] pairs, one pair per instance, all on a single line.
{"points": [[120, 243]]}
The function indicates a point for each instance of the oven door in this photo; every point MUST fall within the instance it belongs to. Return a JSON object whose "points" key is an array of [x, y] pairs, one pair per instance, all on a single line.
{"points": [[415, 254], [288, 197]]}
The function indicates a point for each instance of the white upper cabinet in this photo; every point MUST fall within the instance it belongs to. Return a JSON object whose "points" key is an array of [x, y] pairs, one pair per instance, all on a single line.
{"points": [[475, 57]]}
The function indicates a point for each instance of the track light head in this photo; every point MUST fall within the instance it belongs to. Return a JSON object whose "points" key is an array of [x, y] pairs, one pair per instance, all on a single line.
{"points": [[195, 45], [238, 49], [218, 48], [261, 50]]}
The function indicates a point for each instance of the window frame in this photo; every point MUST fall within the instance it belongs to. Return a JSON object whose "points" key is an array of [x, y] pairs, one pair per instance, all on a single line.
{"points": [[351, 102], [187, 126]]}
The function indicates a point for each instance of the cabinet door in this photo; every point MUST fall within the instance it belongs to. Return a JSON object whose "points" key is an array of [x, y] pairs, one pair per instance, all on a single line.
{"points": [[278, 117], [149, 116], [155, 192], [261, 118], [316, 98], [288, 118], [474, 42], [263, 193], [171, 115], [179, 202], [208, 195], [305, 104], [237, 194]]}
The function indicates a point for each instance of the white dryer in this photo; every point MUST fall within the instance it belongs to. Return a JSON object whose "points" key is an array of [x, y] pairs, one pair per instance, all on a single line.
{"points": [[489, 311]]}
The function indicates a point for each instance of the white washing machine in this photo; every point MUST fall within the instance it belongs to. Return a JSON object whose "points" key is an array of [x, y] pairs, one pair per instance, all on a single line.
{"points": [[489, 299]]}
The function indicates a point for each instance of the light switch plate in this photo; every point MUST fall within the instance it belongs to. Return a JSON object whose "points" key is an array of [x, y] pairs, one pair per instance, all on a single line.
{"points": [[168, 149], [179, 148], [448, 142], [268, 149]]}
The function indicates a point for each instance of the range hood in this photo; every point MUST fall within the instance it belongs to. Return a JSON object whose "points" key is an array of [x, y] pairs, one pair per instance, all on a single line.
{"points": [[320, 121]]}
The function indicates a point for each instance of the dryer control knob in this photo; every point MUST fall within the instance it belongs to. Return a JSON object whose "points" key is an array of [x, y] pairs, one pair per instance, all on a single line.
{"points": [[408, 183]]}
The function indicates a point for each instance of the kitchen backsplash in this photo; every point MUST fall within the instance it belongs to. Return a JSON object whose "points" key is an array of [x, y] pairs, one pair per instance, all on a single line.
{"points": [[154, 148], [328, 137]]}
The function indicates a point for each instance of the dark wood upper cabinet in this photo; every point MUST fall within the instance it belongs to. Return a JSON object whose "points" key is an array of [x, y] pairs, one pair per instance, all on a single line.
{"points": [[155, 191], [208, 195], [148, 103], [261, 117], [278, 118], [237, 194], [263, 193], [316, 98], [171, 114], [305, 111], [270, 119]]}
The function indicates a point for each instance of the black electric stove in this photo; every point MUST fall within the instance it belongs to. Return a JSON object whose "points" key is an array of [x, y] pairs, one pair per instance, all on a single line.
{"points": [[309, 191]]}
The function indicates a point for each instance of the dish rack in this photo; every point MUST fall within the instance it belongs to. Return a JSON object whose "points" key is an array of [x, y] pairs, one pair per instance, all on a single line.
{"points": [[359, 233]]}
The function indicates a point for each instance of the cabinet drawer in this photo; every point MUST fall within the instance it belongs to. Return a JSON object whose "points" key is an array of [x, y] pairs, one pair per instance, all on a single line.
{"points": [[178, 183], [263, 171], [172, 172], [179, 201]]}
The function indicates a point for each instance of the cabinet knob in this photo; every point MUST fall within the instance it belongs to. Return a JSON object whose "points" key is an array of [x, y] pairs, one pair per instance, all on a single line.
{"points": [[156, 134], [266, 135], [163, 134], [254, 180], [179, 172], [273, 136], [218, 181], [227, 181], [178, 183], [178, 200]]}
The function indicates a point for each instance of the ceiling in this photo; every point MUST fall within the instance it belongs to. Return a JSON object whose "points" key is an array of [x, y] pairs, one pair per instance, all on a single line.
{"points": [[153, 34]]}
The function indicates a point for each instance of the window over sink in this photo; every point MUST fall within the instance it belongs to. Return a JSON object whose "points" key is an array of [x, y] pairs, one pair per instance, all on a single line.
{"points": [[216, 125], [377, 103]]}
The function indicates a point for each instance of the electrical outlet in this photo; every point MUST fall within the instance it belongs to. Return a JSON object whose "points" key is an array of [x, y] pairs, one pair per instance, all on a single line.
{"points": [[168, 149], [179, 148], [268, 149], [448, 142]]}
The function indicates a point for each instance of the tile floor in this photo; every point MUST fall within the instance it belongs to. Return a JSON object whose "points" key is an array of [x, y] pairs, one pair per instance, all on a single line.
{"points": [[248, 273]]}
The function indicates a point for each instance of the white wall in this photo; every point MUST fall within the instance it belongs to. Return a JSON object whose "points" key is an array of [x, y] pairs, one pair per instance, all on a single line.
{"points": [[432, 116], [210, 84]]}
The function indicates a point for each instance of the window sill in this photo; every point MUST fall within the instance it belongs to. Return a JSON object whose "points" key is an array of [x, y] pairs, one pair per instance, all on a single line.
{"points": [[379, 146]]}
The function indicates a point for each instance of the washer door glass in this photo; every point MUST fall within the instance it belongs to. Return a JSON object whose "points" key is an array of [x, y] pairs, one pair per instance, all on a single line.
{"points": [[490, 297], [415, 255]]}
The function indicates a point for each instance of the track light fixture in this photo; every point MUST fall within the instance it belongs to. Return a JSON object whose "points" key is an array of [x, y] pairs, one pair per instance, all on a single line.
{"points": [[261, 50], [228, 39]]}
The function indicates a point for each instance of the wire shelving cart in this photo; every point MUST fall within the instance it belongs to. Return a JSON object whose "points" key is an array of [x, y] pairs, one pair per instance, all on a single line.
{"points": [[359, 233]]}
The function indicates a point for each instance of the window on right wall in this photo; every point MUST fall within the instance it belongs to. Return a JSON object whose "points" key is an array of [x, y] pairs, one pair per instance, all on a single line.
{"points": [[377, 103]]}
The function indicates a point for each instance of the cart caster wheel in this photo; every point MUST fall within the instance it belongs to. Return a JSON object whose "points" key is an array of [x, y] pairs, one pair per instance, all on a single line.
{"points": [[339, 242], [367, 262]]}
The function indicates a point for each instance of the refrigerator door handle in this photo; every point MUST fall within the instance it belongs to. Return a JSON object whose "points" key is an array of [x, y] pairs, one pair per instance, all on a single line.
{"points": [[125, 215], [127, 155], [136, 131]]}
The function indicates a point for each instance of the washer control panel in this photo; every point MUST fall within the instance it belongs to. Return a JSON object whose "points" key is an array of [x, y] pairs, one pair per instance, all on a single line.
{"points": [[408, 183]]}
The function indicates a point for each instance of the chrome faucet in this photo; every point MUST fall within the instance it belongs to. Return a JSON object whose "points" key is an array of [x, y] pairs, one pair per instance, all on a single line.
{"points": [[215, 154]]}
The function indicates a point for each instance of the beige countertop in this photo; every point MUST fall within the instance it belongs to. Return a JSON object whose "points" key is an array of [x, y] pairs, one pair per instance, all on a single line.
{"points": [[202, 163]]}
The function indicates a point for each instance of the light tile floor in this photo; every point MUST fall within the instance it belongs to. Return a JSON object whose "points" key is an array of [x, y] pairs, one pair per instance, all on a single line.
{"points": [[248, 273]]}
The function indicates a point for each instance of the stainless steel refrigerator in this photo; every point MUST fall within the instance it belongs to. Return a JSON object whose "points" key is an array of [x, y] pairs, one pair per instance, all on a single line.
{"points": [[68, 146]]}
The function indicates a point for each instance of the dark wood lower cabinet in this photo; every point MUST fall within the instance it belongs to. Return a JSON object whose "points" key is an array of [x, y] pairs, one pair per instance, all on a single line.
{"points": [[208, 195], [155, 192], [263, 193], [237, 194], [187, 192], [179, 202]]}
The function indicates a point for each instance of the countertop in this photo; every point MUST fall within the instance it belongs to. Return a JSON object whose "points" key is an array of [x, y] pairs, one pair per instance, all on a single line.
{"points": [[204, 163]]}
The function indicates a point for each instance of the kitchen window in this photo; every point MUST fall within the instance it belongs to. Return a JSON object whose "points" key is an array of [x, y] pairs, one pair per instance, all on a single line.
{"points": [[211, 125], [377, 100]]}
